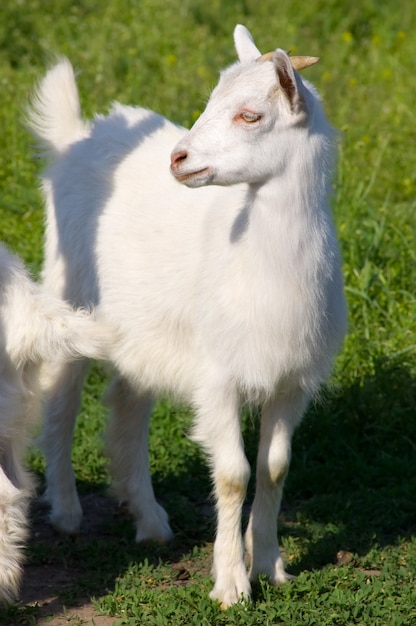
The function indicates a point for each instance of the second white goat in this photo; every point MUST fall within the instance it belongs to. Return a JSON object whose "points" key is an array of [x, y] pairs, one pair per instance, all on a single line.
{"points": [[224, 295], [34, 326]]}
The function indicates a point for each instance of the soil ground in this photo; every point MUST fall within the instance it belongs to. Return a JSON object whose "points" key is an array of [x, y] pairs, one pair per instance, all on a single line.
{"points": [[44, 585]]}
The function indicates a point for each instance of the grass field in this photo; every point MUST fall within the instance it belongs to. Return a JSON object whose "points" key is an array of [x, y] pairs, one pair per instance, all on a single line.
{"points": [[348, 521]]}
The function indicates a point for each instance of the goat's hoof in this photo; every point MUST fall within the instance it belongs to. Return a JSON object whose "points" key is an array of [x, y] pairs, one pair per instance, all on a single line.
{"points": [[66, 524], [159, 537], [285, 579], [276, 575], [227, 595], [265, 559], [154, 528]]}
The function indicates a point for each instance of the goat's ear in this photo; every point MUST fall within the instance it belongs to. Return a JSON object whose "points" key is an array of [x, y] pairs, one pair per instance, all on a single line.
{"points": [[244, 44], [286, 78]]}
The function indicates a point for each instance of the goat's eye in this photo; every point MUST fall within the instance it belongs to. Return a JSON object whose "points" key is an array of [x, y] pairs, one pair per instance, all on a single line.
{"points": [[250, 117]]}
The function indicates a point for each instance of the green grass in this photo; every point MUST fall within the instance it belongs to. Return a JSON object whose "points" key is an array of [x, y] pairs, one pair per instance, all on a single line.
{"points": [[352, 486]]}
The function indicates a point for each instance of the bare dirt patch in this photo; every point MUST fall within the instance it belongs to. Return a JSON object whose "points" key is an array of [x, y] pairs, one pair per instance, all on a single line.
{"points": [[53, 591], [48, 585]]}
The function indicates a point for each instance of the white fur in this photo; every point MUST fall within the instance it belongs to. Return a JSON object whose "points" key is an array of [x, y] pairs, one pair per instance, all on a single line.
{"points": [[34, 326], [220, 295]]}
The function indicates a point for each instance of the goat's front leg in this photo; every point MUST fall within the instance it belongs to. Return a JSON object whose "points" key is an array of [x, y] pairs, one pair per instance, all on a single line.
{"points": [[127, 447], [218, 430], [279, 418]]}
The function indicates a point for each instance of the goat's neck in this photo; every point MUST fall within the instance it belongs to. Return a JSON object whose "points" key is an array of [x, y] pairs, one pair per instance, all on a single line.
{"points": [[290, 198], [288, 219]]}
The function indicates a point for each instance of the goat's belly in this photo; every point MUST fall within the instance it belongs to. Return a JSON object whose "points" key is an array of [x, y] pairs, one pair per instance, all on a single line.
{"points": [[168, 356], [156, 354]]}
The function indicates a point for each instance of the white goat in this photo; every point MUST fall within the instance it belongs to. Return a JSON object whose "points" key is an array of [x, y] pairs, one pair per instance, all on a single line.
{"points": [[222, 295], [33, 326]]}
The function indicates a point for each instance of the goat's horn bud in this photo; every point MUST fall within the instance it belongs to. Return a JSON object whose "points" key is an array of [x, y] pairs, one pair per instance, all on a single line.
{"points": [[265, 57], [298, 62]]}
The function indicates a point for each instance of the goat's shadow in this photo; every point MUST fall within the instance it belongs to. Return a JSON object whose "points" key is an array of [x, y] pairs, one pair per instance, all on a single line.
{"points": [[353, 469], [351, 487], [104, 155]]}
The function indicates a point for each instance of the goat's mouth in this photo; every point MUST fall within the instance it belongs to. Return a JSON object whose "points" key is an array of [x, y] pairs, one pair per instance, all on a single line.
{"points": [[194, 178]]}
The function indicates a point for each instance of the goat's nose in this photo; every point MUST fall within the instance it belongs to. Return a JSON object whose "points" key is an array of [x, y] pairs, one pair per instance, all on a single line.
{"points": [[177, 158]]}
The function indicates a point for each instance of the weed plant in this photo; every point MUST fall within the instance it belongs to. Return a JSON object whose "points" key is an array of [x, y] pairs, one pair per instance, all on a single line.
{"points": [[348, 519]]}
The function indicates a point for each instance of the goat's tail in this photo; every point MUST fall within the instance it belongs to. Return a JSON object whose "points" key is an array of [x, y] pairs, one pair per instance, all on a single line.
{"points": [[54, 117], [38, 326], [58, 332]]}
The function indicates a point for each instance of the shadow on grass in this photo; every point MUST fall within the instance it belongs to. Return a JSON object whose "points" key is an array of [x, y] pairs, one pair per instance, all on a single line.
{"points": [[351, 487], [352, 483]]}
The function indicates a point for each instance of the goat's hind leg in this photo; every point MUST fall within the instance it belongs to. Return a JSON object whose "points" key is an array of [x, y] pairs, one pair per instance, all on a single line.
{"points": [[278, 422], [127, 447], [64, 393]]}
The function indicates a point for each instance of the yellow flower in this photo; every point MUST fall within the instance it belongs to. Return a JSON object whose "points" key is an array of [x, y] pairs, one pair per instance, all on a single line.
{"points": [[171, 60], [347, 37], [408, 186], [203, 72]]}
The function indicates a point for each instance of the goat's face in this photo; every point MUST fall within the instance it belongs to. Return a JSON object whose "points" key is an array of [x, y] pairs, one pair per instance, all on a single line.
{"points": [[249, 127]]}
